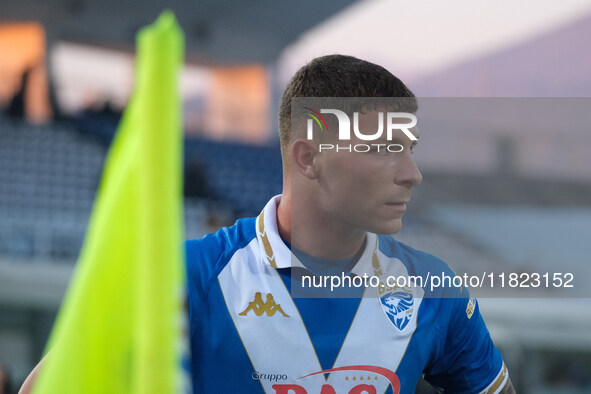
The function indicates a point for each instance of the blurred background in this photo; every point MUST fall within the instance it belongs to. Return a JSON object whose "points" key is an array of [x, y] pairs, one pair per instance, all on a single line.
{"points": [[512, 195]]}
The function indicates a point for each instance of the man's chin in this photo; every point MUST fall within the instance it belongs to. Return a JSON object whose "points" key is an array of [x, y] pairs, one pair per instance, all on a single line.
{"points": [[389, 228]]}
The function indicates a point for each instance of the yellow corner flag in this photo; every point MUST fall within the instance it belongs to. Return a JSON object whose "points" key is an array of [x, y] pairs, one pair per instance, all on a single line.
{"points": [[119, 328]]}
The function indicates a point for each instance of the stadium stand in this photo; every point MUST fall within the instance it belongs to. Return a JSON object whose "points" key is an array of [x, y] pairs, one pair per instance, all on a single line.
{"points": [[49, 175]]}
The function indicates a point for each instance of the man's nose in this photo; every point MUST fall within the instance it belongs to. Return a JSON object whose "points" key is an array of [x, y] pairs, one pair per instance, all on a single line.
{"points": [[407, 173]]}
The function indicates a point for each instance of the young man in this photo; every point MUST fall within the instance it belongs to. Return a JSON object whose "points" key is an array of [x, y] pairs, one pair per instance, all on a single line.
{"points": [[337, 212]]}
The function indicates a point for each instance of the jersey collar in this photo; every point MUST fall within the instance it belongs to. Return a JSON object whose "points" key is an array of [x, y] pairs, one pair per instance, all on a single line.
{"points": [[276, 254]]}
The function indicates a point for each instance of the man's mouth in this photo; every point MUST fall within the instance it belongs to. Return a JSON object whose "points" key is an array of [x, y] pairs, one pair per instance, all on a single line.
{"points": [[397, 205]]}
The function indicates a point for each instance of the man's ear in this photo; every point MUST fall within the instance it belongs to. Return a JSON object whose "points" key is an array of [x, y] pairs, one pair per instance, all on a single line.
{"points": [[302, 157]]}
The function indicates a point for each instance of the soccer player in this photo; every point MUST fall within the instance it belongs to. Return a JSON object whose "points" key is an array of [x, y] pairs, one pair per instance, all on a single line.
{"points": [[336, 213], [335, 218]]}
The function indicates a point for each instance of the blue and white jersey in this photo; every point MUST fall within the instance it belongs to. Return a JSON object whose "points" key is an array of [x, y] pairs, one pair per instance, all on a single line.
{"points": [[248, 335]]}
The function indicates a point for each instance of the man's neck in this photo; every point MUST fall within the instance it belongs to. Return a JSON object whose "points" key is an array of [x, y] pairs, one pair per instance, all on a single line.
{"points": [[309, 231]]}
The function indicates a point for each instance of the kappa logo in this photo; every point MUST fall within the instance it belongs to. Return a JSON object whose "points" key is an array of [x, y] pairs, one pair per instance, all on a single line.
{"points": [[259, 307], [399, 307]]}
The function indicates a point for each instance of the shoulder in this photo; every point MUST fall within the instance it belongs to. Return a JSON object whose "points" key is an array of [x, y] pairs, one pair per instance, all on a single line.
{"points": [[394, 248], [207, 257], [225, 240], [465, 357], [416, 261]]}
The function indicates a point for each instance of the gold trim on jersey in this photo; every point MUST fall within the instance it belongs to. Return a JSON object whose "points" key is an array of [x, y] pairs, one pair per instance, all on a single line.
{"points": [[266, 244], [496, 385], [375, 262]]}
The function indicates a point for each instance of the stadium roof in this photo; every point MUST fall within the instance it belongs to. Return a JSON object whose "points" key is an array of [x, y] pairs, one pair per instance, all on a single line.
{"points": [[217, 32]]}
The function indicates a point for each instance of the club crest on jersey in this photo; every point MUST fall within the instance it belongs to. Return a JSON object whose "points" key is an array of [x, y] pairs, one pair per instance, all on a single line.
{"points": [[398, 307]]}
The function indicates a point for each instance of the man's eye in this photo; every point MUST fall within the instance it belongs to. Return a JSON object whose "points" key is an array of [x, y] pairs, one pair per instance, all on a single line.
{"points": [[380, 151]]}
